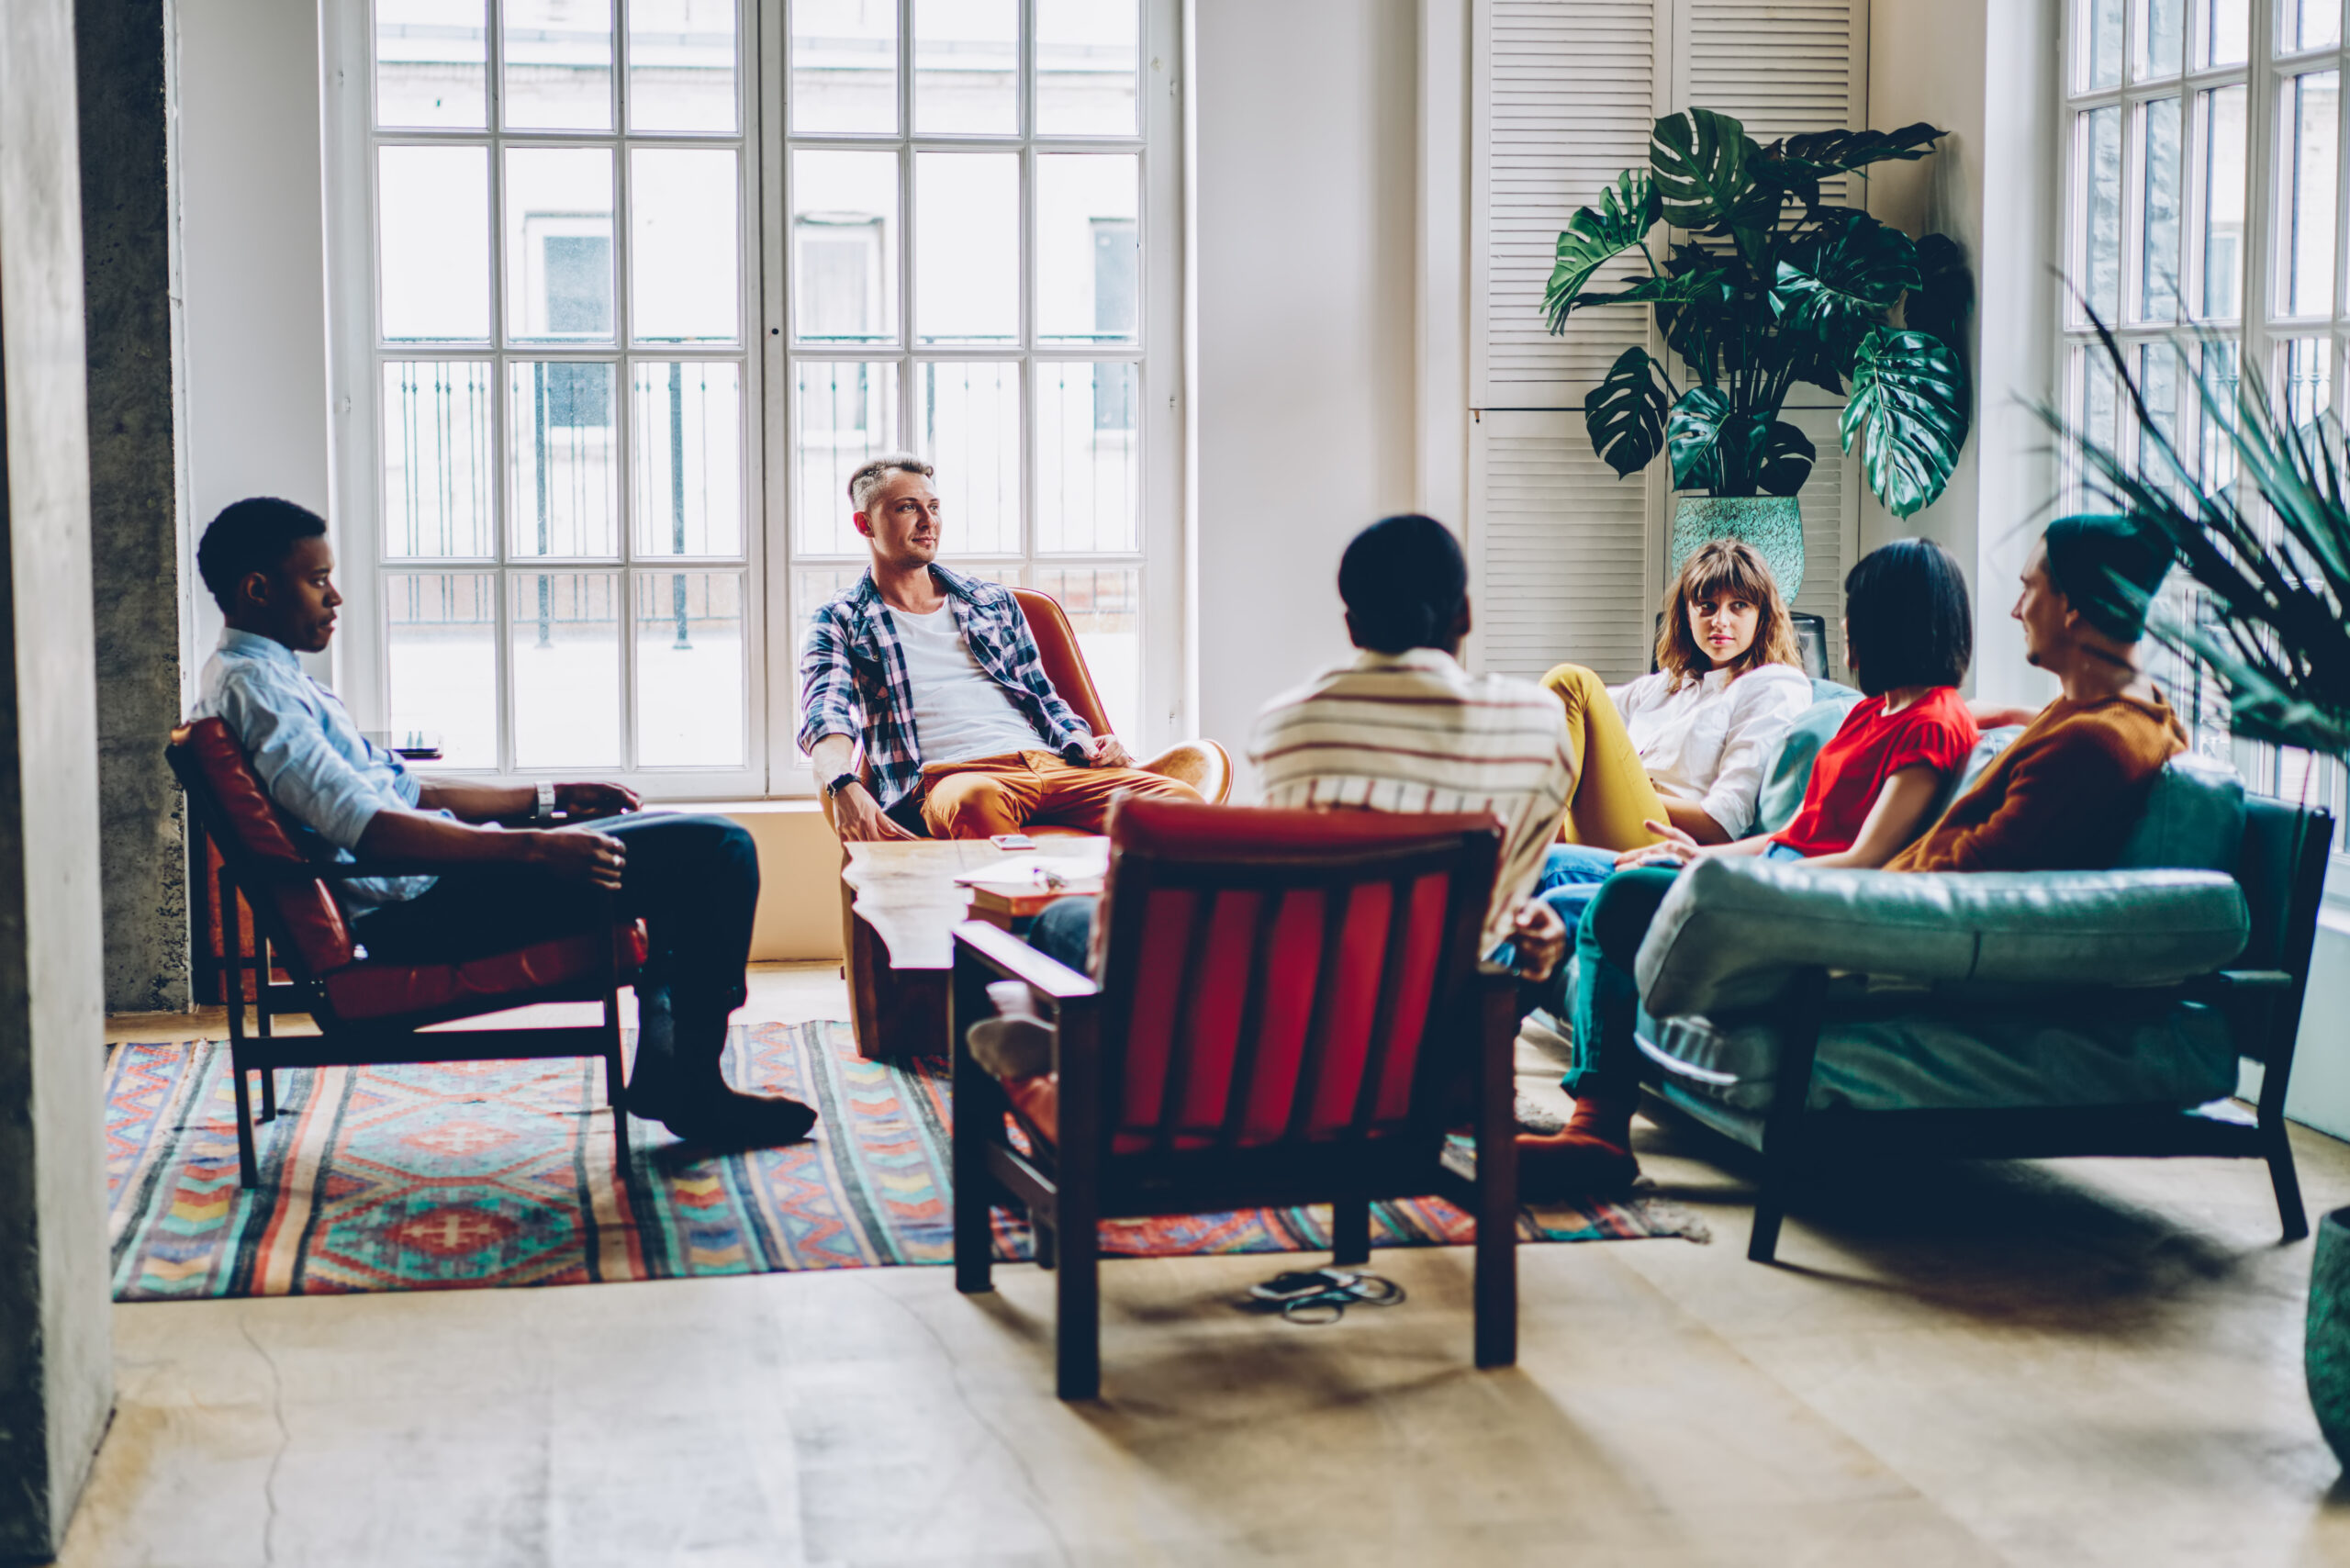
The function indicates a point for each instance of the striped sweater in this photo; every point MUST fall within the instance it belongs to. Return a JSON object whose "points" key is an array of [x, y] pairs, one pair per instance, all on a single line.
{"points": [[1414, 731]]}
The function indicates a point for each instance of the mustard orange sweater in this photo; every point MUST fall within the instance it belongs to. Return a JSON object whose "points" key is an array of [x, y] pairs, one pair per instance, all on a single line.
{"points": [[2063, 796]]}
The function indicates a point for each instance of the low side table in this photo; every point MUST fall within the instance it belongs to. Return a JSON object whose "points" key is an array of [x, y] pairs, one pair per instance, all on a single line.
{"points": [[899, 907]]}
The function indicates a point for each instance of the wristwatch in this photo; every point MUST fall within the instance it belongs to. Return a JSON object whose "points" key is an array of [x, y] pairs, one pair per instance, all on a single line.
{"points": [[839, 784], [546, 802]]}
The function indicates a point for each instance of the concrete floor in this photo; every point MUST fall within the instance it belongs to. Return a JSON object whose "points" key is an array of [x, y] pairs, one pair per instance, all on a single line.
{"points": [[2065, 1364]]}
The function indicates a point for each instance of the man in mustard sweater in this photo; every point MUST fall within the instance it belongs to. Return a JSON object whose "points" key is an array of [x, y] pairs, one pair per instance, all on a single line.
{"points": [[2066, 793]]}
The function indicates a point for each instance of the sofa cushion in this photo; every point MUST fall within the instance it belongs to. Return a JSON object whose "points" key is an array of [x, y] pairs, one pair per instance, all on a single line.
{"points": [[2194, 818], [2095, 1048], [1732, 930], [1789, 771]]}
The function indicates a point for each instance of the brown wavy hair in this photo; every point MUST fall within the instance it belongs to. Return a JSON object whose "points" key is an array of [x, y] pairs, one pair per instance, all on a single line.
{"points": [[1716, 567]]}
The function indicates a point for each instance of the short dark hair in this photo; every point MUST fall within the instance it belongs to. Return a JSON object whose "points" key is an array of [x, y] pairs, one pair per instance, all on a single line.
{"points": [[1404, 581], [1907, 618], [252, 536]]}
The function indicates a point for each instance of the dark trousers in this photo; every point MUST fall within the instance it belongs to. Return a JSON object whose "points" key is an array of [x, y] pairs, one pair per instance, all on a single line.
{"points": [[1064, 930], [693, 880], [1606, 999]]}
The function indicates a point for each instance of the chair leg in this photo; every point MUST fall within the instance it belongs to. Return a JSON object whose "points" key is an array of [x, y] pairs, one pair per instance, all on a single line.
{"points": [[1350, 1231], [979, 1109], [1042, 1245], [1783, 1124], [247, 1159], [2293, 1219], [1769, 1208], [1077, 1320], [1496, 1287]]}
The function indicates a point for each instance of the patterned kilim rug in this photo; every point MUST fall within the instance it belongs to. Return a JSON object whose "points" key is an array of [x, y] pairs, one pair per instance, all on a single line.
{"points": [[456, 1175]]}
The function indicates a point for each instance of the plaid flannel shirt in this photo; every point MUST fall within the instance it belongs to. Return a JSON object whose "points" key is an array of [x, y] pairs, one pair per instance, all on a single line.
{"points": [[853, 677]]}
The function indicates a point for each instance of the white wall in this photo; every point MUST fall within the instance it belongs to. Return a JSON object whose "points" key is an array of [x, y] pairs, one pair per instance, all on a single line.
{"points": [[253, 241], [1302, 380]]}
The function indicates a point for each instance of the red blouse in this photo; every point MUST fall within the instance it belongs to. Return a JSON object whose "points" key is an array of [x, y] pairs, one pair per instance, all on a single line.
{"points": [[1934, 732]]}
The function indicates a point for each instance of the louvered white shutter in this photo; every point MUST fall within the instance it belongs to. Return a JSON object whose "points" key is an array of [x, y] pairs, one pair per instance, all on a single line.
{"points": [[1563, 94], [1570, 558]]}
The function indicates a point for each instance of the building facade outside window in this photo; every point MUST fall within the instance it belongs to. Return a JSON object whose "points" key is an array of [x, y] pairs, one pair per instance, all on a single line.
{"points": [[632, 285], [2204, 191]]}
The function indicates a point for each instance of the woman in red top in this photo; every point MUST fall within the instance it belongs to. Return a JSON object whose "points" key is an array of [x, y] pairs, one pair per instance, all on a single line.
{"points": [[1909, 636]]}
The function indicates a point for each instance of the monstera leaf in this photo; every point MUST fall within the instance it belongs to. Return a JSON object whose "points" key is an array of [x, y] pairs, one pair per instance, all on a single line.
{"points": [[1787, 455], [1945, 292], [1908, 411], [1846, 151], [1700, 160], [1593, 236], [1625, 415], [1855, 270]]}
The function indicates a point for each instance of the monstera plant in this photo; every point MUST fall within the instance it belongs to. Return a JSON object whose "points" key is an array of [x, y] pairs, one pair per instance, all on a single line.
{"points": [[1771, 287]]}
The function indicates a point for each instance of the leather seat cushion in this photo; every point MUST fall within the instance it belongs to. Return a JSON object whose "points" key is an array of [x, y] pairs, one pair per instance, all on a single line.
{"points": [[380, 990]]}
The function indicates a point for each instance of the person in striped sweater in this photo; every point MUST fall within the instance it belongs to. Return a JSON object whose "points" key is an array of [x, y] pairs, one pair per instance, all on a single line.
{"points": [[1400, 727]]}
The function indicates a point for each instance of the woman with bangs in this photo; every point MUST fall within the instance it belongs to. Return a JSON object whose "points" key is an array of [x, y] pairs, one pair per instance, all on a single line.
{"points": [[1685, 746], [1908, 638]]}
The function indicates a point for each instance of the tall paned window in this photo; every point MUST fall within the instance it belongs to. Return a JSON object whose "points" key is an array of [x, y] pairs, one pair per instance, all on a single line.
{"points": [[2204, 187], [561, 475], [968, 233]]}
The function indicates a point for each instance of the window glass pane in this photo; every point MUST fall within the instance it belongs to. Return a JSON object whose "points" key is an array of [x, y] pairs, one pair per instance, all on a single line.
{"points": [[687, 451], [431, 64], [436, 458], [2158, 215], [2305, 195], [1088, 456], [2098, 42], [559, 245], [2161, 26], [433, 228], [562, 453], [1089, 254], [1087, 52], [558, 64], [2221, 168], [685, 248], [2100, 251], [565, 656], [2158, 383], [689, 699], [1105, 606], [2223, 36], [2308, 24], [2219, 376], [967, 66], [441, 653], [2308, 382], [844, 246], [681, 65], [2099, 399], [843, 413], [970, 430], [844, 66], [967, 247]]}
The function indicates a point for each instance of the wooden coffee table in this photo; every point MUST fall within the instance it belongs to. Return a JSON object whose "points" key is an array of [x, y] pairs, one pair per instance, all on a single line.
{"points": [[900, 908]]}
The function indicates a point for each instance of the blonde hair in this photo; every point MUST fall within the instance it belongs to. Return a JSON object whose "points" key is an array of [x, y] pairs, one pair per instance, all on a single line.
{"points": [[1715, 568], [874, 470]]}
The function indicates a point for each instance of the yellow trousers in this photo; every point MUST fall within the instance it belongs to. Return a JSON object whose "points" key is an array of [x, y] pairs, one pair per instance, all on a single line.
{"points": [[1614, 796]]}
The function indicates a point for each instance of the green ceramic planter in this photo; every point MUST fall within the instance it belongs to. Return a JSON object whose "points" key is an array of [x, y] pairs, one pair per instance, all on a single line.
{"points": [[1772, 524], [2325, 1352]]}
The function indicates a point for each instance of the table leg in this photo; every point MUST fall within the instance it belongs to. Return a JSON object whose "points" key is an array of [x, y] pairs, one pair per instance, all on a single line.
{"points": [[896, 1013]]}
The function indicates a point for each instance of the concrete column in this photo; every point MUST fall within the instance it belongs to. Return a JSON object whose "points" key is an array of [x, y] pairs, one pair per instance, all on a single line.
{"points": [[122, 48], [55, 1365]]}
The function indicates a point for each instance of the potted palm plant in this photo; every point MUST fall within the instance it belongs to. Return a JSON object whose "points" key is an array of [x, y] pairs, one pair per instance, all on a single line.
{"points": [[2269, 551], [1772, 286]]}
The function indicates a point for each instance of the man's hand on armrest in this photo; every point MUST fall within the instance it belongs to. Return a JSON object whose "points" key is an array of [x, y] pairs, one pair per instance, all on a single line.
{"points": [[857, 817], [488, 803], [571, 855]]}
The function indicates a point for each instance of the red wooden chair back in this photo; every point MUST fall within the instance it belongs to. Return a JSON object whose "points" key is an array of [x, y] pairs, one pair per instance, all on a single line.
{"points": [[1063, 660], [1288, 976], [299, 916]]}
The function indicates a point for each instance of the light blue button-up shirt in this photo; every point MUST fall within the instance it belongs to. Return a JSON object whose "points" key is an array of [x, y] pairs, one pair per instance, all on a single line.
{"points": [[312, 759]]}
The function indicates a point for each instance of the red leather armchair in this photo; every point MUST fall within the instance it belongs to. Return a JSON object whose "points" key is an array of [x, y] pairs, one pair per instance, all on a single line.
{"points": [[368, 1010], [1291, 1010]]}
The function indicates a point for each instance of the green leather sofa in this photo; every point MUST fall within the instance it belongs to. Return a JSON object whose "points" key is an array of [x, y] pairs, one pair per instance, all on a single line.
{"points": [[1858, 1017]]}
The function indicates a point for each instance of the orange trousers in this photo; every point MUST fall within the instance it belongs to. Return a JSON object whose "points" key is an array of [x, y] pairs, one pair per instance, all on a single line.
{"points": [[983, 796]]}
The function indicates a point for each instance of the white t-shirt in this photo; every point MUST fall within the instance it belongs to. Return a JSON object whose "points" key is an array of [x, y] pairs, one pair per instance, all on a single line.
{"points": [[1707, 742], [960, 713]]}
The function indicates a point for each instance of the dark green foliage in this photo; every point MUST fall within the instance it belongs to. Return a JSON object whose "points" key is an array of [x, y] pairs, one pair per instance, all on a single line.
{"points": [[1764, 294], [2276, 628]]}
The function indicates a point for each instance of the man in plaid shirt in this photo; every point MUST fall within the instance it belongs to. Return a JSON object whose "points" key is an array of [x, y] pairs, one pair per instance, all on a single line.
{"points": [[935, 676]]}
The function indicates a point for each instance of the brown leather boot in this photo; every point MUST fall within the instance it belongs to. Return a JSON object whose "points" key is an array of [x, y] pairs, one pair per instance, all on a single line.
{"points": [[1592, 1155]]}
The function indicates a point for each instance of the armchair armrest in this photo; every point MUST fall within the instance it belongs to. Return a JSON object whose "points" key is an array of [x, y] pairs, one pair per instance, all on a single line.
{"points": [[255, 871], [1733, 932], [1008, 955]]}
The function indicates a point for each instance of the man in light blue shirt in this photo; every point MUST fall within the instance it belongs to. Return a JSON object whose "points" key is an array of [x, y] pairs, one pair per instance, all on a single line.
{"points": [[505, 884]]}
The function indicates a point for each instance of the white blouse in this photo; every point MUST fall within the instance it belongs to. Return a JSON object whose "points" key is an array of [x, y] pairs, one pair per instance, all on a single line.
{"points": [[1707, 742]]}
